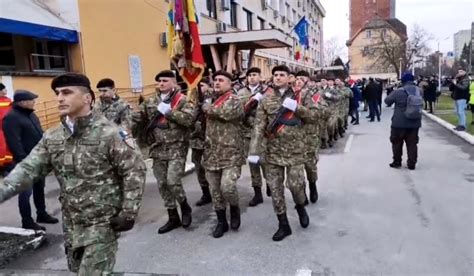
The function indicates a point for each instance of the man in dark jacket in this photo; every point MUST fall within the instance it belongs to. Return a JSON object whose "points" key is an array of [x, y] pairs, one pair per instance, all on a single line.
{"points": [[429, 94], [460, 95], [23, 131], [404, 129], [373, 97]]}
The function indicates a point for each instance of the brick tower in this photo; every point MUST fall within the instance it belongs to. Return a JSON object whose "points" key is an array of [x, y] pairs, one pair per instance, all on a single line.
{"points": [[362, 11]]}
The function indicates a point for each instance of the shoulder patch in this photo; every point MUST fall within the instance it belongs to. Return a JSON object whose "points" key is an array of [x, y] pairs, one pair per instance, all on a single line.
{"points": [[316, 97], [128, 139]]}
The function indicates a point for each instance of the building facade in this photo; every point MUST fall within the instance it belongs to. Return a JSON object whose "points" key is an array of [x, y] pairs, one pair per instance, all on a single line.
{"points": [[459, 40], [42, 39], [244, 18], [363, 11]]}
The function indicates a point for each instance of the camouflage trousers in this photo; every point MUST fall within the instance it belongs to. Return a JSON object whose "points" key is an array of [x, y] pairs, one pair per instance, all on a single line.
{"points": [[168, 174], [94, 259], [324, 130], [255, 173], [294, 181], [332, 126], [196, 158], [311, 166], [223, 184]]}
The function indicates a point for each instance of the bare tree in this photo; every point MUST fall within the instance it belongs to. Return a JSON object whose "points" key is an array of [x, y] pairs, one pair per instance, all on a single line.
{"points": [[332, 50], [388, 49]]}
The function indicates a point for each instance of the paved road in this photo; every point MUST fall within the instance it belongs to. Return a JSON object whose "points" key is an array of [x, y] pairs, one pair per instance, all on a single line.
{"points": [[370, 219]]}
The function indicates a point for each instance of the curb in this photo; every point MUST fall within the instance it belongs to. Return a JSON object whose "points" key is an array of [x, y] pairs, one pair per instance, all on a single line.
{"points": [[189, 168], [461, 134], [20, 240]]}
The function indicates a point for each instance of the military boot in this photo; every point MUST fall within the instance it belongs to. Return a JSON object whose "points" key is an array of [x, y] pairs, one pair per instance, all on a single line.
{"points": [[186, 217], [173, 221], [304, 219], [205, 198], [324, 144], [29, 223], [313, 192], [269, 192], [234, 217], [257, 198], [284, 228], [222, 225]]}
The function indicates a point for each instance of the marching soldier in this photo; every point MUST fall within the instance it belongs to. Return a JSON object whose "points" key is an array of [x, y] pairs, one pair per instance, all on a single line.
{"points": [[312, 96], [111, 105], [223, 151], [280, 116], [251, 95], [333, 98], [198, 135], [346, 94], [168, 117], [100, 172]]}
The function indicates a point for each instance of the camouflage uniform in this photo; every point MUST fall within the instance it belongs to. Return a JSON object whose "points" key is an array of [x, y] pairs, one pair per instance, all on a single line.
{"points": [[248, 123], [196, 143], [313, 134], [168, 145], [333, 103], [223, 149], [284, 150], [118, 112], [101, 175], [348, 94]]}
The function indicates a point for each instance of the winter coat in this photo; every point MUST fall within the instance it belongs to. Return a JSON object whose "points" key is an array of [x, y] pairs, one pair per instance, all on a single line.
{"points": [[399, 98]]}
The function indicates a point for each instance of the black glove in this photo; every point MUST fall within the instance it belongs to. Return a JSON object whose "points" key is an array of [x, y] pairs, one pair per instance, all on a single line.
{"points": [[122, 223]]}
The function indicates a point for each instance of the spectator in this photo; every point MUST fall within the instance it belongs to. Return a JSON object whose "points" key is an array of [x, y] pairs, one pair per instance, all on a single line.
{"points": [[6, 158], [429, 94], [354, 103], [373, 97], [460, 94], [23, 131], [403, 128]]}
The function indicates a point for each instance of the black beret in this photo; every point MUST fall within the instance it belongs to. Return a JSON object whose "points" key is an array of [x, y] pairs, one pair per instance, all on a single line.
{"points": [[70, 79], [302, 73], [315, 78], [281, 68], [23, 95], [103, 83], [253, 70], [2, 86], [165, 74], [222, 73], [206, 80]]}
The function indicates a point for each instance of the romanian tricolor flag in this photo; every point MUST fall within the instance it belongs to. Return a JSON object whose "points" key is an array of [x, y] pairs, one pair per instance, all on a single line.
{"points": [[184, 45], [297, 52]]}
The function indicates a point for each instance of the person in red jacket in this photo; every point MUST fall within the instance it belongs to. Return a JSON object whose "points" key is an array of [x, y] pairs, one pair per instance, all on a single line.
{"points": [[6, 158]]}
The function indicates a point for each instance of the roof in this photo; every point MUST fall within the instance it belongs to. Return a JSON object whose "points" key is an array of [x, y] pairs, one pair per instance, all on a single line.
{"points": [[246, 40], [393, 23]]}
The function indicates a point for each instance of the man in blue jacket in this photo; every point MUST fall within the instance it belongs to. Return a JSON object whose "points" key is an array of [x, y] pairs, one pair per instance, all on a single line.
{"points": [[23, 131], [403, 128]]}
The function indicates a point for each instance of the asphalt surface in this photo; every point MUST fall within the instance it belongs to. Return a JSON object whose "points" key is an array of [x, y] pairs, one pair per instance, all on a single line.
{"points": [[370, 219]]}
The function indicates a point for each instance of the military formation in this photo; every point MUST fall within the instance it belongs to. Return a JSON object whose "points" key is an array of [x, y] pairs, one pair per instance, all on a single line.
{"points": [[278, 126]]}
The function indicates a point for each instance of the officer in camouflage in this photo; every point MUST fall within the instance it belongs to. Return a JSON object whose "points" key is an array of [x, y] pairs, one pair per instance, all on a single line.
{"points": [[198, 135], [167, 117], [223, 151], [100, 172], [280, 117], [111, 105], [312, 96], [346, 94], [250, 96], [333, 98]]}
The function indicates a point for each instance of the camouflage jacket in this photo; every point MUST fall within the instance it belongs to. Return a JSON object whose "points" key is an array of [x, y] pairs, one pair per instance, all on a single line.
{"points": [[248, 122], [100, 172], [118, 111], [224, 145], [172, 141], [198, 132], [287, 147], [313, 98]]}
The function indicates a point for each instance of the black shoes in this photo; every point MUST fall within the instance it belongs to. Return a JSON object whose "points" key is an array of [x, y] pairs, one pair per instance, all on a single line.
{"points": [[411, 167], [284, 228], [31, 225], [395, 165], [46, 218], [205, 198], [257, 198], [173, 222], [186, 217], [304, 218], [234, 217], [313, 192], [222, 225], [460, 128]]}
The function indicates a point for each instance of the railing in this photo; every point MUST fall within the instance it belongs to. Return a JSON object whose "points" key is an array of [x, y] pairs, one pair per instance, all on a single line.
{"points": [[48, 63], [48, 112]]}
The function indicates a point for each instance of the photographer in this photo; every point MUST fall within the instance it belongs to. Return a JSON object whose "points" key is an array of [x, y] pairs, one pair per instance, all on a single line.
{"points": [[460, 94]]}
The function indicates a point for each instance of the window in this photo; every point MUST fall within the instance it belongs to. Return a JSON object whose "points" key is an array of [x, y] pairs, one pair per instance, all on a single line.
{"points": [[233, 14], [288, 11], [368, 34], [7, 54], [211, 6], [249, 20], [49, 56], [384, 33], [262, 23], [365, 51]]}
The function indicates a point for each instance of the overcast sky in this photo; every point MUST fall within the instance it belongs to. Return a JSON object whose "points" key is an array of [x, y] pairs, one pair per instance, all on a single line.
{"points": [[441, 18]]}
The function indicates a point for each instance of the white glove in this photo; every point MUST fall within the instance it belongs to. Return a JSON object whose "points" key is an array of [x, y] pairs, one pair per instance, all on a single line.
{"points": [[328, 95], [253, 159], [258, 97], [164, 108], [290, 104]]}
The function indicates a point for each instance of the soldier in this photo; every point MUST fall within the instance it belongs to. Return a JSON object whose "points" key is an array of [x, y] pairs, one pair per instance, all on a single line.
{"points": [[312, 96], [100, 172], [346, 94], [168, 117], [332, 95], [280, 116], [198, 136], [251, 95], [223, 151], [111, 105]]}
